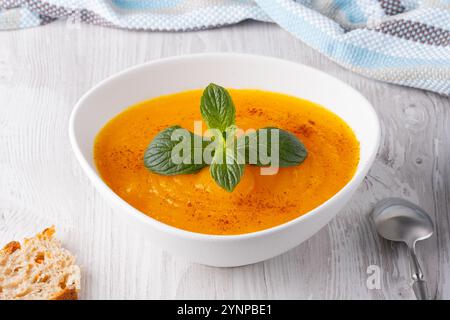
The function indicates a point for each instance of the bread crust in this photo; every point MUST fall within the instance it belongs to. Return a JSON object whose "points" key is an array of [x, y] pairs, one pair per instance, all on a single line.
{"points": [[9, 248], [68, 293]]}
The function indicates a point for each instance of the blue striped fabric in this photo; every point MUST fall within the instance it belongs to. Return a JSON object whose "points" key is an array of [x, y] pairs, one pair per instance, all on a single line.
{"points": [[406, 42]]}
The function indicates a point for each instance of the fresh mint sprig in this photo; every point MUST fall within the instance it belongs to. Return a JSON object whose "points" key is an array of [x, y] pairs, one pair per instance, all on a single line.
{"points": [[218, 112]]}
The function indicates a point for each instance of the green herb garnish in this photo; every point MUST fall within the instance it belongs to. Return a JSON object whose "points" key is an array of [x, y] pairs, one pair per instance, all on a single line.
{"points": [[177, 151], [158, 156], [291, 151], [225, 169], [217, 108]]}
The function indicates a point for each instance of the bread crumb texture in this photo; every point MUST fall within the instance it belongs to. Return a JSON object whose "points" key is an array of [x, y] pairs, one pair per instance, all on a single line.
{"points": [[39, 269]]}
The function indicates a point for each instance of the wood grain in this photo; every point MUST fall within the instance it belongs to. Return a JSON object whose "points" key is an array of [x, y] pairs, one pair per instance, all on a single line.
{"points": [[44, 71]]}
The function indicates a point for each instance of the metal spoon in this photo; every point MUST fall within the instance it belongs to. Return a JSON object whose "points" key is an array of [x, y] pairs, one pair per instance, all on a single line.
{"points": [[400, 220]]}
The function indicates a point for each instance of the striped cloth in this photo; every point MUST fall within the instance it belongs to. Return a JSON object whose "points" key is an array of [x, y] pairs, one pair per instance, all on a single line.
{"points": [[406, 42]]}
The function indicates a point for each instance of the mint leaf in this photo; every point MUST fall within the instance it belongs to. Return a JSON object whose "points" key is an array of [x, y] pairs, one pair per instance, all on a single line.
{"points": [[225, 170], [291, 150], [217, 108], [159, 158]]}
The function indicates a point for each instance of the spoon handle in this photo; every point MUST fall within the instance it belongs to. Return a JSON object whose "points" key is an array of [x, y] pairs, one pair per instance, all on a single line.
{"points": [[420, 289], [419, 285]]}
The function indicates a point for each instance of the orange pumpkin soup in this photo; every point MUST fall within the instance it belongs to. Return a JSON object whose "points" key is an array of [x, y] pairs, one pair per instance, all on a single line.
{"points": [[195, 202]]}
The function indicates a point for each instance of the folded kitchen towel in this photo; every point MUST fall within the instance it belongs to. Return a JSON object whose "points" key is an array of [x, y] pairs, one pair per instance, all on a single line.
{"points": [[406, 42]]}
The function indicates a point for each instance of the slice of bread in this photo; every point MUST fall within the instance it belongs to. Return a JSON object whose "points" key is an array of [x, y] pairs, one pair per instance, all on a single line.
{"points": [[38, 270]]}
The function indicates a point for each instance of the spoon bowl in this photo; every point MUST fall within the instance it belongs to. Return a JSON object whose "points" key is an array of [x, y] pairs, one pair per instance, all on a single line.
{"points": [[400, 220]]}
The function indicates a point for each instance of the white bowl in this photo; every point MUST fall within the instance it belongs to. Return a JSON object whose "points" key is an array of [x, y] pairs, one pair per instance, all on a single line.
{"points": [[176, 74]]}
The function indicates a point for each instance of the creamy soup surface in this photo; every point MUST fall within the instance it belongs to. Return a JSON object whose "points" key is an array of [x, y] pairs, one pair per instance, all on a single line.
{"points": [[195, 202]]}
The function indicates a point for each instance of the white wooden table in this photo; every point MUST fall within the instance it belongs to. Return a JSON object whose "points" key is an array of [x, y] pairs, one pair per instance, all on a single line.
{"points": [[43, 71]]}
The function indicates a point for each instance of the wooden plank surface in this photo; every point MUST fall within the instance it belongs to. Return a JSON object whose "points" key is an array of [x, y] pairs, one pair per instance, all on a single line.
{"points": [[43, 71]]}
